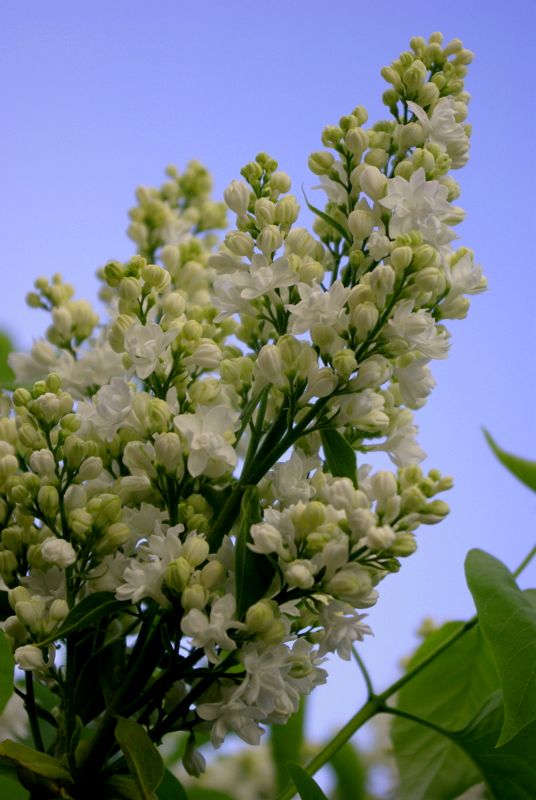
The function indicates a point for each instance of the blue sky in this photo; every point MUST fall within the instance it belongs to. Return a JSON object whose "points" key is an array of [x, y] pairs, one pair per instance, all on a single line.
{"points": [[99, 97]]}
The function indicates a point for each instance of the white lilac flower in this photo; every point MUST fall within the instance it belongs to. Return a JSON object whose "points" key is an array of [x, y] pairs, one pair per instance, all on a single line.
{"points": [[288, 482], [417, 205], [319, 307], [144, 575], [210, 452], [419, 330], [264, 679], [401, 444], [441, 128], [110, 408], [415, 381], [145, 344], [211, 631], [232, 715], [342, 626]]}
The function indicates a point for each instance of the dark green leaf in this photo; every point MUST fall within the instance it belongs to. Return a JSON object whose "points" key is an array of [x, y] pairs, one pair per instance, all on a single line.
{"points": [[307, 787], [42, 764], [121, 786], [7, 667], [330, 221], [7, 375], [170, 788], [88, 611], [254, 572], [524, 470], [448, 693], [144, 761], [12, 789], [198, 793], [507, 620], [340, 456], [351, 774], [286, 742], [509, 771]]}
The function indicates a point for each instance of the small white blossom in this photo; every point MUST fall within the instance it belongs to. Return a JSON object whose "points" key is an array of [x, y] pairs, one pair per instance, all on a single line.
{"points": [[319, 307], [211, 632], [145, 344], [210, 453]]}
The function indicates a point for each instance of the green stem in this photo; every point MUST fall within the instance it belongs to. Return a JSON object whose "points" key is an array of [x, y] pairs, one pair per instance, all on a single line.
{"points": [[364, 671], [32, 712], [526, 561], [397, 712]]}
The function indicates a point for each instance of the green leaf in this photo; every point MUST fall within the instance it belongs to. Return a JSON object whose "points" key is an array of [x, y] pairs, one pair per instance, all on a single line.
{"points": [[7, 376], [19, 755], [286, 742], [507, 620], [307, 787], [199, 793], [121, 786], [89, 610], [510, 771], [170, 788], [350, 772], [12, 789], [7, 667], [330, 221], [448, 693], [144, 761], [524, 470], [254, 572], [340, 455]]}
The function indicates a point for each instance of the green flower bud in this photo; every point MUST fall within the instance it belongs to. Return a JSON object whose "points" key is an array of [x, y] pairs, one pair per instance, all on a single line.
{"points": [[360, 224], [239, 243], [21, 397], [178, 574], [287, 210], [404, 545], [80, 522], [264, 212], [48, 501], [269, 240], [344, 363], [195, 596], [356, 141], [331, 136], [259, 617], [364, 317], [156, 277], [321, 162], [280, 183], [113, 537], [113, 273], [213, 574]]}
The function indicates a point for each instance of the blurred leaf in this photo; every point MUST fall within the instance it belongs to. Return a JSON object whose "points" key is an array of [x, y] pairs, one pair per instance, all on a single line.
{"points": [[524, 470], [307, 787], [19, 755], [7, 376], [351, 774], [12, 789], [144, 761], [170, 788], [449, 692], [509, 771], [507, 620], [199, 793], [286, 742], [7, 668], [254, 572], [89, 610], [340, 456], [121, 786]]}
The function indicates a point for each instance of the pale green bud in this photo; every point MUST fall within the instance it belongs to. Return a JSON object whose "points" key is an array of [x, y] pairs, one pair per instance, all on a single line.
{"points": [[58, 610], [105, 509], [130, 290], [236, 197], [269, 240], [48, 500], [74, 451], [195, 550], [410, 135], [8, 565], [383, 485], [113, 273], [156, 277], [113, 537], [349, 584], [173, 305], [373, 183], [344, 363], [264, 212], [90, 469], [116, 336], [321, 162], [193, 761], [213, 574], [178, 574], [427, 95], [168, 450], [158, 415], [195, 596], [377, 157], [430, 279], [29, 657], [415, 76], [287, 210], [80, 522], [360, 224], [42, 462], [269, 365], [21, 397], [16, 629], [310, 271], [391, 76], [364, 317], [240, 243], [58, 552], [280, 183], [331, 135], [259, 617], [401, 257], [404, 545], [356, 141], [426, 256], [300, 242]]}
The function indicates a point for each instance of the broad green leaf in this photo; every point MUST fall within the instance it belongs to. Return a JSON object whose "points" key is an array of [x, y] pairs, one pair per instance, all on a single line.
{"points": [[89, 610], [523, 469], [509, 771], [330, 221], [121, 786], [254, 572], [144, 761], [7, 375], [19, 755], [340, 456], [507, 620], [170, 788], [198, 793], [307, 787], [7, 667], [12, 789], [448, 692], [286, 742], [351, 774]]}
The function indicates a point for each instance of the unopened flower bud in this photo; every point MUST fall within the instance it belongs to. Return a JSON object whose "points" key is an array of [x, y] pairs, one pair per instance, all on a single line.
{"points": [[212, 574], [280, 182], [287, 210], [239, 243], [321, 162], [344, 363], [29, 657], [373, 182], [195, 550], [178, 574], [264, 212], [404, 544], [356, 141], [58, 552], [360, 224], [48, 500], [236, 197], [90, 469], [195, 596], [364, 317], [270, 239], [259, 617]]}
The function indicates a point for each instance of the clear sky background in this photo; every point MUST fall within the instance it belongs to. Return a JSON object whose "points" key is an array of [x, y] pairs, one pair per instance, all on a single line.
{"points": [[99, 97]]}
